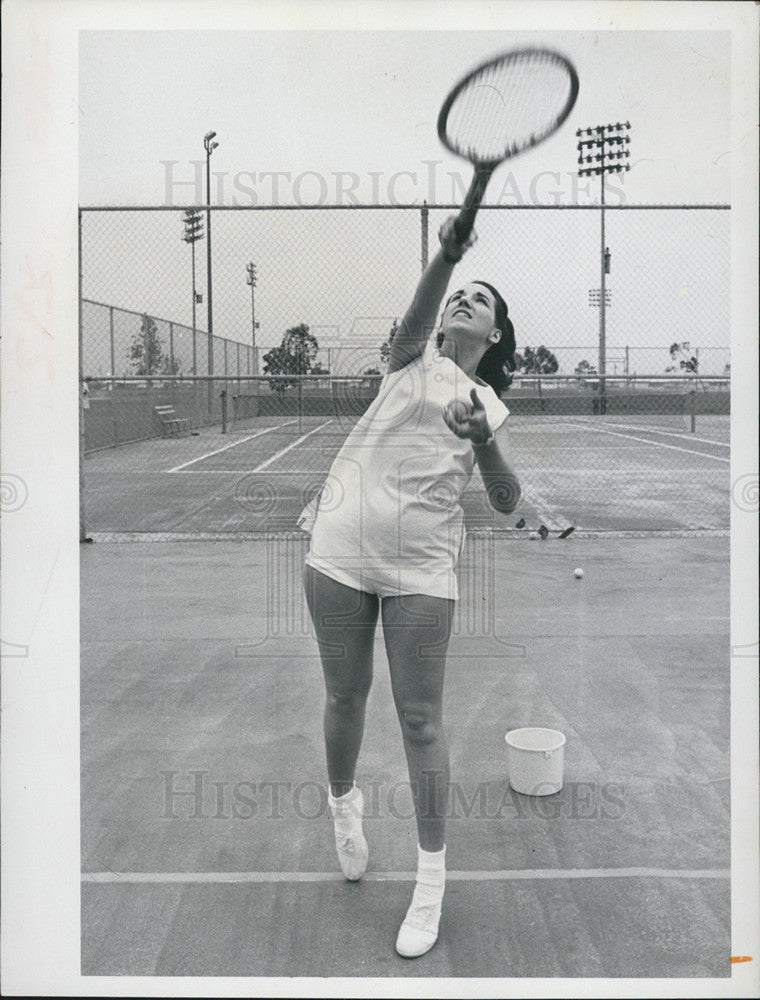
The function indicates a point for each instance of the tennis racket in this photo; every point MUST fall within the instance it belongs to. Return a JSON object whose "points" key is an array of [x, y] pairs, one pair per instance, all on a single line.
{"points": [[500, 109]]}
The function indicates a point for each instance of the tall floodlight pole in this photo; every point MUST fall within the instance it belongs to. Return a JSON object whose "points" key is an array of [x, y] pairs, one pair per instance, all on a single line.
{"points": [[209, 146], [193, 233], [251, 280], [603, 150]]}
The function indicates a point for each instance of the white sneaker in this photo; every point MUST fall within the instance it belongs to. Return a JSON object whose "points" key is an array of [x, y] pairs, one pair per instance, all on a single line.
{"points": [[419, 931], [350, 842]]}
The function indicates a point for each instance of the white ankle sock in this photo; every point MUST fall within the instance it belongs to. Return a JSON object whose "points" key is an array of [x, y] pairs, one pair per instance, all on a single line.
{"points": [[431, 876], [345, 809]]}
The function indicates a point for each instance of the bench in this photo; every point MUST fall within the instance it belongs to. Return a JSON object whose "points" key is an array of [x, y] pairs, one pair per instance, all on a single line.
{"points": [[171, 423]]}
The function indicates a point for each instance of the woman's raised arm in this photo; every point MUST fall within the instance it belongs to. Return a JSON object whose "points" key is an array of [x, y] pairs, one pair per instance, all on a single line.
{"points": [[420, 318]]}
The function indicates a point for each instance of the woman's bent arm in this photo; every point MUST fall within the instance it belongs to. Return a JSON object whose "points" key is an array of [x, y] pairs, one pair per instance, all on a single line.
{"points": [[499, 478]]}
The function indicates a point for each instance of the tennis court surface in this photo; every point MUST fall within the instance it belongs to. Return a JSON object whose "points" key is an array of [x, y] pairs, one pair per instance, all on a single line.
{"points": [[206, 843], [635, 472]]}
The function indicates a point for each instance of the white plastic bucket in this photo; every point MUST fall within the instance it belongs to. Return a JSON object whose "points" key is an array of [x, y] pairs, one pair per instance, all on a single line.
{"points": [[536, 758]]}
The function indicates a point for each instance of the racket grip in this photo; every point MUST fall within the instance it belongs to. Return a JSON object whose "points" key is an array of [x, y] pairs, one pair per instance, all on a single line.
{"points": [[464, 222]]}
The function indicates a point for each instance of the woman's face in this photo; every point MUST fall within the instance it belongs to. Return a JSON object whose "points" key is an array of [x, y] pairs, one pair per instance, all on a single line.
{"points": [[471, 311]]}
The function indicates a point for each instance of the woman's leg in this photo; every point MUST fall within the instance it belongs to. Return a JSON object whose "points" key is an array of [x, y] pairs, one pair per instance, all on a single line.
{"points": [[416, 629], [344, 622]]}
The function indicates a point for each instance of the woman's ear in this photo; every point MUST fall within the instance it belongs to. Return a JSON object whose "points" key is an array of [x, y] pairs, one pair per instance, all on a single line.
{"points": [[495, 336]]}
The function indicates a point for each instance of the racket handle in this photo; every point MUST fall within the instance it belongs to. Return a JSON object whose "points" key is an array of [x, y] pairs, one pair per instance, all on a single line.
{"points": [[465, 221]]}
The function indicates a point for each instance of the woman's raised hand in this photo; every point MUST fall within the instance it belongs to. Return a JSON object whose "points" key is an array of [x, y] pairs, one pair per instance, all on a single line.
{"points": [[453, 250]]}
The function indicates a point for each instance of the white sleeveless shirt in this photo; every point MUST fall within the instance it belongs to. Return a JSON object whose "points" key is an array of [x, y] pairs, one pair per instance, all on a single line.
{"points": [[389, 513]]}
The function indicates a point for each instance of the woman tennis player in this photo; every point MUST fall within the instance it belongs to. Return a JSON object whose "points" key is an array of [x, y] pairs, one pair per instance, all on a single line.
{"points": [[386, 537]]}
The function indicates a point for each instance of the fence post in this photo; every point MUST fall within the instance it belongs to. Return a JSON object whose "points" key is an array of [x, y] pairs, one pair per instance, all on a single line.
{"points": [[82, 529], [223, 395], [300, 403], [171, 348], [113, 348], [424, 234]]}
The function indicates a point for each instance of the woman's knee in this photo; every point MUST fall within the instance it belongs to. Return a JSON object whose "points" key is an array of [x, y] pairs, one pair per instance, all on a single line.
{"points": [[420, 725], [347, 701]]}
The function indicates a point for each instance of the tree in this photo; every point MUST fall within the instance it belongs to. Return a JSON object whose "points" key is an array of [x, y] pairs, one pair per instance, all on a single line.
{"points": [[680, 353], [302, 346], [296, 355], [687, 362], [147, 351], [584, 368], [538, 362], [385, 349]]}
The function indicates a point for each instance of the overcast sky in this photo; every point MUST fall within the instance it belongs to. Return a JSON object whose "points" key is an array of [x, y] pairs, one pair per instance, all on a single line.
{"points": [[340, 117], [365, 103]]}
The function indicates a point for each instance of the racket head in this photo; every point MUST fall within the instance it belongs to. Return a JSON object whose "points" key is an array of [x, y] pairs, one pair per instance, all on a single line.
{"points": [[507, 105]]}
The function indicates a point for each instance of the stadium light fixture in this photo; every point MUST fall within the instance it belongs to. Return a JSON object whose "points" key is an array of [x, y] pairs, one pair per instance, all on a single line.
{"points": [[605, 151]]}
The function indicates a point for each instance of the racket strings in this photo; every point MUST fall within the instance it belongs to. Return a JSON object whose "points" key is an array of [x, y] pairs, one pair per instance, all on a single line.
{"points": [[508, 106]]}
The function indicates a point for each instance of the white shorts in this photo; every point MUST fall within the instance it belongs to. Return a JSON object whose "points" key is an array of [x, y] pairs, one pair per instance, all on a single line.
{"points": [[388, 583]]}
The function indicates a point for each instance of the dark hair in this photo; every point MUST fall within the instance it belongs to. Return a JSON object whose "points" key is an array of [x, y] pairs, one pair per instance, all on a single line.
{"points": [[499, 361]]}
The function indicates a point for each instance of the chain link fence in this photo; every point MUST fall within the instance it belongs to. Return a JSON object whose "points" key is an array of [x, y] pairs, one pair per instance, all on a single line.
{"points": [[302, 305]]}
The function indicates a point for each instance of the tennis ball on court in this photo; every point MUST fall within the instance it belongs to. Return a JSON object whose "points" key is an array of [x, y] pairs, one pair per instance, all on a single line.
{"points": [[578, 573], [534, 536], [457, 410]]}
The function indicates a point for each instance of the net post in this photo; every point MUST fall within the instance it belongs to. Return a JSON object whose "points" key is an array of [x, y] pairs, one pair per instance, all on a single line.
{"points": [[210, 371], [693, 409]]}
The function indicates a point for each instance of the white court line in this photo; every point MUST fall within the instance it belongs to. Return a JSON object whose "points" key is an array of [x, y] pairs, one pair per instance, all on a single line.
{"points": [[210, 472], [290, 447], [656, 444], [215, 878], [232, 444], [657, 430]]}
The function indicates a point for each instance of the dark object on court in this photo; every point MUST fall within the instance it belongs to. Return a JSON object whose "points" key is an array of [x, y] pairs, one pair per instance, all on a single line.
{"points": [[520, 523], [543, 531], [566, 532]]}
